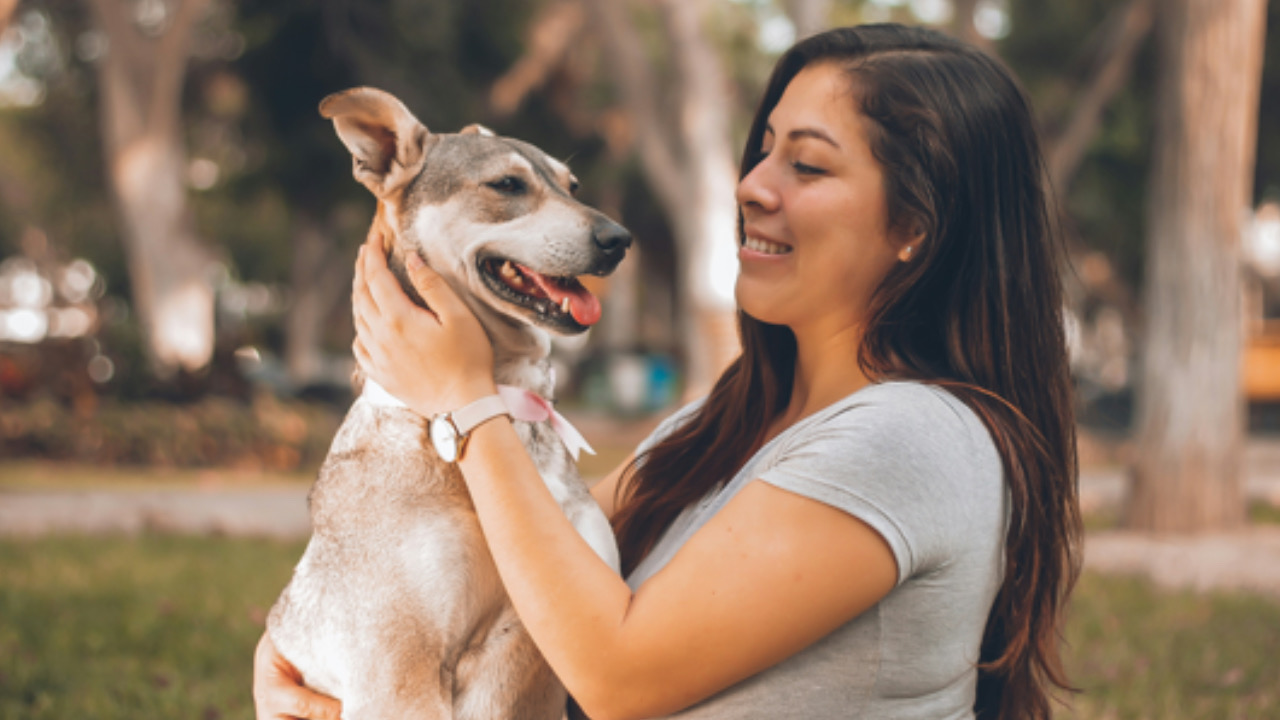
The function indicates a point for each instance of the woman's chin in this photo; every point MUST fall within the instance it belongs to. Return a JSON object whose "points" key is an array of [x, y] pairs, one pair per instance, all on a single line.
{"points": [[761, 310]]}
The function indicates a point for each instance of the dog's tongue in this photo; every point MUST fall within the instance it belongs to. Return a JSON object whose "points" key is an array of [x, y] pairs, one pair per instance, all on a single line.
{"points": [[583, 306]]}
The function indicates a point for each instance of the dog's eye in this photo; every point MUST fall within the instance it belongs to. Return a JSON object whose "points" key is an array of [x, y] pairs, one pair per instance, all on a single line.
{"points": [[509, 185], [573, 186]]}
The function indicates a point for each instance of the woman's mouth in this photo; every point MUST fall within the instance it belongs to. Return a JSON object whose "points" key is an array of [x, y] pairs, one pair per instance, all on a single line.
{"points": [[765, 247]]}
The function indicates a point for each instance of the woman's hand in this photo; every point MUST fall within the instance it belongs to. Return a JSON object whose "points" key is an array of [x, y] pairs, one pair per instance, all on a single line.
{"points": [[433, 360], [278, 693]]}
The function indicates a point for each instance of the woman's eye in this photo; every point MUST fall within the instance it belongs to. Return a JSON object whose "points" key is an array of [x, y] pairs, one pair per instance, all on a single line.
{"points": [[807, 169], [509, 185]]}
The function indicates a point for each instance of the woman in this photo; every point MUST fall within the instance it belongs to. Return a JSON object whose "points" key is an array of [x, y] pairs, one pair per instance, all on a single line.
{"points": [[873, 513]]}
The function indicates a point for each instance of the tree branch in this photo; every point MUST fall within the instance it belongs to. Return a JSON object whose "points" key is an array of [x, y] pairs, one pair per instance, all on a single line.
{"points": [[697, 65], [630, 68], [1113, 69], [170, 66], [123, 38], [551, 35], [346, 23]]}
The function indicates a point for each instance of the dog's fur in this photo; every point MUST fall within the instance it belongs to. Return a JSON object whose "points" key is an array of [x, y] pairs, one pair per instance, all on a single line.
{"points": [[396, 607]]}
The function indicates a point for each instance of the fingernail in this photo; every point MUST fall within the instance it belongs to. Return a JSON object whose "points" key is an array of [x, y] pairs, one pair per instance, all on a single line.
{"points": [[414, 261]]}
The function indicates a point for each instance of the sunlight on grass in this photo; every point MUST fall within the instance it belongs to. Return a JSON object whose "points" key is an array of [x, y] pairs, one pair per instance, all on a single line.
{"points": [[152, 627], [164, 627]]}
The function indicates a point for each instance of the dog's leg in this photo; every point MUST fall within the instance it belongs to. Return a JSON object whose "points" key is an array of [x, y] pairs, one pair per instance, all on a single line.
{"points": [[505, 678], [390, 686], [435, 707]]}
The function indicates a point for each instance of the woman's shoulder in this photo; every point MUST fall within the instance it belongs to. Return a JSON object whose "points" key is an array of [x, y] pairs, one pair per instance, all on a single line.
{"points": [[909, 406], [908, 458]]}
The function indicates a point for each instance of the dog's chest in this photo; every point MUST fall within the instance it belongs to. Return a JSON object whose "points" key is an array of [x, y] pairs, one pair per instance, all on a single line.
{"points": [[382, 472], [382, 478]]}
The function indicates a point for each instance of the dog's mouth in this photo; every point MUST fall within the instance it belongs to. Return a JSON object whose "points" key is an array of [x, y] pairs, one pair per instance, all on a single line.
{"points": [[561, 302]]}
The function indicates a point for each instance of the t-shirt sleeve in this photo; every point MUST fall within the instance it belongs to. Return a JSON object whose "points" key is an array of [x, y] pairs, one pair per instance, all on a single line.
{"points": [[914, 465]]}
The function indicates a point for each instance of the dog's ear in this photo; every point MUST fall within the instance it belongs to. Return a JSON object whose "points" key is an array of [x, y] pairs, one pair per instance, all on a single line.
{"points": [[477, 129], [387, 143]]}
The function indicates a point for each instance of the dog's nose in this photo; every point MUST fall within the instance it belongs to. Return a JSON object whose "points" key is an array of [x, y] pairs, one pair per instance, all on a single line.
{"points": [[611, 237]]}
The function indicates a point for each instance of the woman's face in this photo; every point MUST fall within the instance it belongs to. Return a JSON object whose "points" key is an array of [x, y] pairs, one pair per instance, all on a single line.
{"points": [[817, 239]]}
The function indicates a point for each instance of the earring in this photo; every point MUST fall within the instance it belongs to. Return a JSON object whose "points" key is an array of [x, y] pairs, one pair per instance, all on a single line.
{"points": [[906, 253]]}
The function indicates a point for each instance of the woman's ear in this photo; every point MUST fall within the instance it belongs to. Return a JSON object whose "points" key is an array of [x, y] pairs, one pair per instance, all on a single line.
{"points": [[915, 237]]}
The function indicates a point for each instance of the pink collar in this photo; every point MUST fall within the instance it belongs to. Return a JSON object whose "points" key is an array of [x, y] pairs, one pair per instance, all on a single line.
{"points": [[531, 407]]}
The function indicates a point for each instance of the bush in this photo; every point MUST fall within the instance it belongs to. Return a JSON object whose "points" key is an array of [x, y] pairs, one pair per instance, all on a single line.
{"points": [[264, 433]]}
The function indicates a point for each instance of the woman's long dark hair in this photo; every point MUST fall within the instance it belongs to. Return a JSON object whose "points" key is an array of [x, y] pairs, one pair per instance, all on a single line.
{"points": [[977, 310]]}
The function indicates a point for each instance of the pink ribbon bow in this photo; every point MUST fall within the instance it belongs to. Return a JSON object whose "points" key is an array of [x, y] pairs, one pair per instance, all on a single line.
{"points": [[532, 407]]}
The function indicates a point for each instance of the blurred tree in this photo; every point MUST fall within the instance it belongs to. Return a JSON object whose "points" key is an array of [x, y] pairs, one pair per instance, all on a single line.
{"points": [[1186, 473], [683, 136], [6, 13], [289, 65], [1091, 83], [964, 27], [808, 16], [141, 79], [1267, 182], [1122, 35], [438, 57]]}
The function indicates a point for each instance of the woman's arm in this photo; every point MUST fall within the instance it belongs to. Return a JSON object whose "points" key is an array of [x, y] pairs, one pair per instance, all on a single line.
{"points": [[606, 491], [772, 573]]}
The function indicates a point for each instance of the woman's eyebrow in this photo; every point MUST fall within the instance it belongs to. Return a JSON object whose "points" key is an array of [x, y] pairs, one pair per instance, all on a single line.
{"points": [[815, 133], [805, 132]]}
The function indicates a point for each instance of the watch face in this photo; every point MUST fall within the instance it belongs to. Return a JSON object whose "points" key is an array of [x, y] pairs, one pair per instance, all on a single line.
{"points": [[444, 436]]}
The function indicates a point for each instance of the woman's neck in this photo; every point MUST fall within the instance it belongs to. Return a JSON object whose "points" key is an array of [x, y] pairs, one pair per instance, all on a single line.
{"points": [[826, 369]]}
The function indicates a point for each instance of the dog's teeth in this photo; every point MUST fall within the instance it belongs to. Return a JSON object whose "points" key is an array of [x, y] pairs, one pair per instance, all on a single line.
{"points": [[564, 306]]}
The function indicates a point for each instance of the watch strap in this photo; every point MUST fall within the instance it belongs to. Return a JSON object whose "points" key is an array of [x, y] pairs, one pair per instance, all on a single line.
{"points": [[470, 416]]}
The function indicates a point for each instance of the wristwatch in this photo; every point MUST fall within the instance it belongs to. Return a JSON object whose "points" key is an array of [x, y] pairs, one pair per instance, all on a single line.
{"points": [[450, 431]]}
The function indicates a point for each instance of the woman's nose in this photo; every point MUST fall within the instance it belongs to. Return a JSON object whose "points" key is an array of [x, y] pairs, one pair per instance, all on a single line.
{"points": [[755, 190]]}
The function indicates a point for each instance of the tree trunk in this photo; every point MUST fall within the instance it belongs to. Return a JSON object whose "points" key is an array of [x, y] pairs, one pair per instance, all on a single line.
{"points": [[1186, 475], [689, 164], [809, 16], [320, 276], [963, 27], [140, 81]]}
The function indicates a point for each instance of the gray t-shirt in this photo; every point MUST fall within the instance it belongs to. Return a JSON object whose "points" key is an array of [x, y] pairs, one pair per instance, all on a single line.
{"points": [[919, 467]]}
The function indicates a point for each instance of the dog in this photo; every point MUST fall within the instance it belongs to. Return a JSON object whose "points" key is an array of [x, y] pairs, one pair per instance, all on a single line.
{"points": [[396, 607]]}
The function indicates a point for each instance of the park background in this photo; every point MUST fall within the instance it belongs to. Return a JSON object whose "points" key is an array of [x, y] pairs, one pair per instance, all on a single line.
{"points": [[177, 231]]}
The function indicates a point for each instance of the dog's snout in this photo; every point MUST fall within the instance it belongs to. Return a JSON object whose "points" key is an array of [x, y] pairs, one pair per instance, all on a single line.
{"points": [[611, 237]]}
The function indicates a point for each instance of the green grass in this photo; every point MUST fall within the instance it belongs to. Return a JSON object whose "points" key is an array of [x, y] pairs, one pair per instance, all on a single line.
{"points": [[1264, 513], [164, 627], [1138, 652], [152, 627]]}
